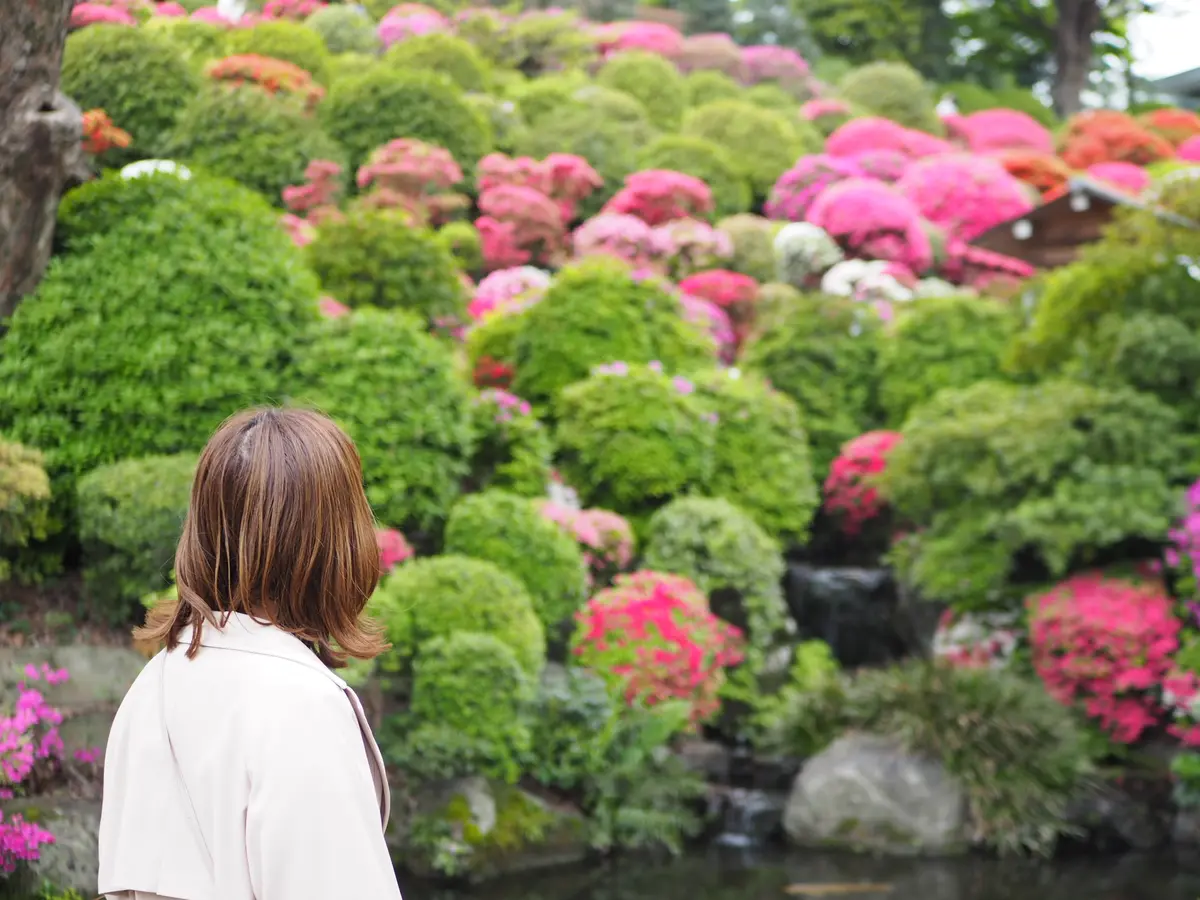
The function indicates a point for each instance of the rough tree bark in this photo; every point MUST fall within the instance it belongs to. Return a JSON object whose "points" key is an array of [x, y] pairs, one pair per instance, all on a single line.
{"points": [[1077, 22], [40, 134]]}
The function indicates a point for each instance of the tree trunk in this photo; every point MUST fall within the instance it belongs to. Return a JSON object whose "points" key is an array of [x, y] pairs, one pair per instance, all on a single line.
{"points": [[1077, 22], [40, 134]]}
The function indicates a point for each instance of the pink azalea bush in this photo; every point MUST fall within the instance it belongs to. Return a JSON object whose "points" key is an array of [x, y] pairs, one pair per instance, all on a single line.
{"points": [[684, 246], [410, 20], [296, 10], [769, 62], [615, 234], [798, 187], [651, 37], [84, 14], [710, 51], [393, 548], [732, 292], [1189, 150], [883, 165], [330, 308], [964, 195], [565, 178], [605, 538], [507, 291], [715, 321], [1106, 644], [519, 225], [1183, 551], [170, 9], [414, 176], [872, 133], [984, 270], [317, 198], [657, 196], [871, 219], [1006, 129], [850, 491], [1123, 176]]}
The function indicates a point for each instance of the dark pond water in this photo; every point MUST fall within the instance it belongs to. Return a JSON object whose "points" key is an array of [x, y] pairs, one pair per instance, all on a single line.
{"points": [[733, 875]]}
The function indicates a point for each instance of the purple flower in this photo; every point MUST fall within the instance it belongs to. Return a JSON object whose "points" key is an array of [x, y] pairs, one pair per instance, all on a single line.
{"points": [[682, 385]]}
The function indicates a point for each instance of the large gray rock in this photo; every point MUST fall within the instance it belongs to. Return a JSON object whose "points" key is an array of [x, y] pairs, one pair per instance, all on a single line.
{"points": [[866, 793], [1116, 816]]}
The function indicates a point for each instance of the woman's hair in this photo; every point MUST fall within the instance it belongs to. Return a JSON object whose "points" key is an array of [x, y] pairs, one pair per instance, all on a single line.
{"points": [[278, 528]]}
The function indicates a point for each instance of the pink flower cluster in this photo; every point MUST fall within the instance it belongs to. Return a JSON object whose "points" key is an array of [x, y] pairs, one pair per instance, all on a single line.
{"points": [[413, 176], [715, 321], [850, 492], [964, 195], [715, 51], [872, 219], [605, 538], [170, 9], [1184, 547], [20, 841], [684, 245], [508, 406], [615, 234], [331, 308], [565, 178], [735, 294], [982, 269], [650, 37], [799, 187], [393, 548], [410, 20], [317, 198], [770, 62], [869, 134], [84, 14], [1107, 644], [1122, 175], [1189, 150], [296, 10], [507, 291], [657, 196], [990, 130]]}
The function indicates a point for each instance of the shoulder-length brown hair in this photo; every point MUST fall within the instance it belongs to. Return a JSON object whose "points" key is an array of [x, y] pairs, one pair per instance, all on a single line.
{"points": [[278, 528]]}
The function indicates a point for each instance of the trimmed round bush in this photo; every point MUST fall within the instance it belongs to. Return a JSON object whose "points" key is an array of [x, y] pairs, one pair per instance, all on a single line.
{"points": [[438, 596], [596, 313], [194, 309], [473, 685], [761, 459], [719, 547], [511, 532], [895, 91], [24, 502], [502, 116], [652, 80], [1006, 488], [395, 391], [940, 342], [761, 143], [90, 210], [264, 141], [137, 76], [130, 517], [821, 352], [351, 65], [704, 160], [611, 103], [283, 39], [547, 96], [373, 257], [444, 53], [367, 111], [461, 240], [772, 96], [708, 85], [198, 42], [753, 239], [513, 448], [633, 439], [573, 717], [344, 28]]}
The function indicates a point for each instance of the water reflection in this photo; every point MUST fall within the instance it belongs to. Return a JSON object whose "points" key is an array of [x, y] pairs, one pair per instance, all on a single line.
{"points": [[732, 875]]}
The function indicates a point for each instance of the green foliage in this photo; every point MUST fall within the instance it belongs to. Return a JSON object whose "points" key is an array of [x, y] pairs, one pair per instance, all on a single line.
{"points": [[365, 111], [753, 239], [344, 28], [351, 65], [1185, 771], [496, 338], [437, 596], [1056, 474], [24, 502], [286, 40], [130, 517], [783, 719], [374, 257], [863, 32], [721, 549], [821, 351], [704, 160], [631, 443], [395, 391], [197, 42], [137, 76], [444, 53], [473, 684], [772, 96], [190, 311], [461, 240], [761, 459], [970, 97], [652, 80], [262, 140], [502, 116], [539, 42], [1017, 755], [611, 103], [511, 532], [512, 451], [595, 313], [707, 85], [761, 143], [941, 342], [547, 96], [573, 721], [895, 91], [89, 210]]}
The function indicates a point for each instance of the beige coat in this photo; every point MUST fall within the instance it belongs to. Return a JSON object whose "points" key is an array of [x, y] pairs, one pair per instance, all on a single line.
{"points": [[286, 781]]}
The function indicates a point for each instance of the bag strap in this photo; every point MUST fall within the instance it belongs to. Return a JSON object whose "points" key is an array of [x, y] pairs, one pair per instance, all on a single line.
{"points": [[191, 807]]}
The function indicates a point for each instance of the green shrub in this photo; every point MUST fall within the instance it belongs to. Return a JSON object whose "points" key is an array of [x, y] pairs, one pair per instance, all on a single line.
{"points": [[573, 720], [971, 98], [197, 42], [940, 342], [707, 85], [761, 459], [438, 596], [461, 241], [137, 76], [344, 29], [369, 110], [502, 116], [704, 160], [286, 40], [24, 502], [772, 96], [395, 390], [474, 685], [632, 442], [651, 79], [895, 91], [544, 97], [753, 239], [90, 210], [511, 532], [595, 313], [193, 310], [775, 301], [130, 517], [513, 449], [761, 143], [444, 53], [821, 352], [373, 257], [535, 43], [1017, 754], [495, 338], [262, 140], [729, 557], [351, 65], [1005, 487]]}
